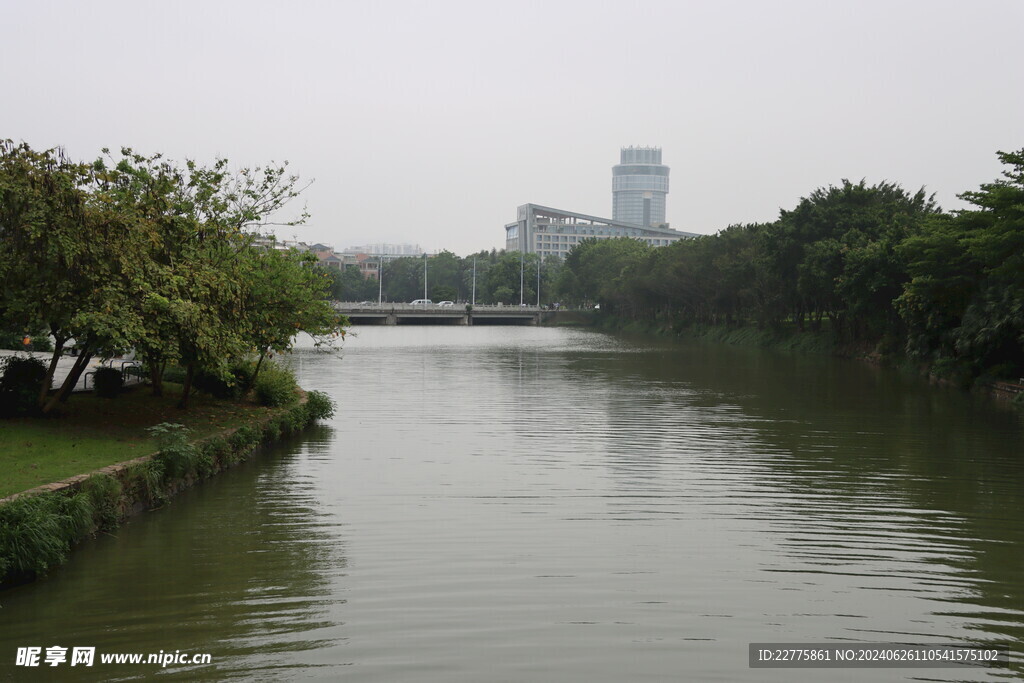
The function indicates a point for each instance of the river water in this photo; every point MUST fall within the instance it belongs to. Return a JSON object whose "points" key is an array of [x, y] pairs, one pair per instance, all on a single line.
{"points": [[537, 504]]}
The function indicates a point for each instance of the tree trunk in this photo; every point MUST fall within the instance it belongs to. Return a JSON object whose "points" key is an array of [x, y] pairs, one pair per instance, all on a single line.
{"points": [[81, 363], [186, 389], [156, 377], [256, 372], [44, 387]]}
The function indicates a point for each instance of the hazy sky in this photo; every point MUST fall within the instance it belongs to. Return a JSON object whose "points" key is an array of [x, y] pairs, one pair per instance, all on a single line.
{"points": [[430, 122]]}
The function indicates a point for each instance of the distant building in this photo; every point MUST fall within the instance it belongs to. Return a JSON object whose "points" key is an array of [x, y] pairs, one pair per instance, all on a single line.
{"points": [[639, 187], [368, 266], [546, 231], [387, 250]]}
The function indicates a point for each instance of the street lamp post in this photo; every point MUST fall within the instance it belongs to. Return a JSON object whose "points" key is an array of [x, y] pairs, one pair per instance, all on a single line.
{"points": [[521, 263]]}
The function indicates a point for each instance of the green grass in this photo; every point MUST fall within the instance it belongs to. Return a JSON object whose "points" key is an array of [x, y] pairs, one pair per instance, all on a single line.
{"points": [[94, 432]]}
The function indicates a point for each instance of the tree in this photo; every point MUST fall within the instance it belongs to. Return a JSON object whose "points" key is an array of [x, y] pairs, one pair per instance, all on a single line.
{"points": [[348, 284], [137, 252], [199, 280], [67, 259], [511, 277], [835, 253], [443, 277], [403, 279], [283, 294], [602, 269], [964, 302]]}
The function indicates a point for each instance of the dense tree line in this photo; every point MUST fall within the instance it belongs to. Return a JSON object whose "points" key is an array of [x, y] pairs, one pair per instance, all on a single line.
{"points": [[877, 265], [493, 277], [136, 252]]}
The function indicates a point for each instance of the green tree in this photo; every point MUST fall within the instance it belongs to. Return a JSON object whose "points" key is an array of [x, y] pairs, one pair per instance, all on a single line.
{"points": [[348, 284], [835, 254], [510, 278], [67, 259], [603, 269], [403, 279], [444, 281], [964, 302], [284, 294]]}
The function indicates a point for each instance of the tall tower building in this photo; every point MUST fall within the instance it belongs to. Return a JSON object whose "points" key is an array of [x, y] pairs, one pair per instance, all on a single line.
{"points": [[639, 187]]}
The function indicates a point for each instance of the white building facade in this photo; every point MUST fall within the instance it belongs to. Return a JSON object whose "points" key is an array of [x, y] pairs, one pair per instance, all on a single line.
{"points": [[554, 232], [639, 187]]}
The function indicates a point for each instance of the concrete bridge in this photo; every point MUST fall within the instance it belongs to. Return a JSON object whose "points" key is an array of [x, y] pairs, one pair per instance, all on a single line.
{"points": [[432, 314]]}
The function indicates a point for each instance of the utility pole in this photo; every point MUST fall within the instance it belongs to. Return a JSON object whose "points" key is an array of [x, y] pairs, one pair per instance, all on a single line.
{"points": [[521, 263], [380, 280], [424, 275], [474, 281], [539, 263]]}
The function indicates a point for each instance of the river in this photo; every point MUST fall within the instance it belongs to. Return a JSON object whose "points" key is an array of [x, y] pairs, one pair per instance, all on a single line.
{"points": [[544, 504]]}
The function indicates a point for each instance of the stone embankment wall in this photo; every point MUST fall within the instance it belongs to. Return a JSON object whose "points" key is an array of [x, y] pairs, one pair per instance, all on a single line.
{"points": [[38, 527]]}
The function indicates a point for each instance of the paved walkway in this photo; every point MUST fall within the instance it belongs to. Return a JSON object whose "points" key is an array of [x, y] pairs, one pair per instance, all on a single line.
{"points": [[65, 363]]}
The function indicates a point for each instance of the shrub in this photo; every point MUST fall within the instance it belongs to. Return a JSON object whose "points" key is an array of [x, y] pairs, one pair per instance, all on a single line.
{"points": [[77, 514], [108, 382], [244, 439], [284, 425], [275, 386], [204, 464], [104, 494], [272, 430], [36, 531], [175, 374], [145, 480], [217, 448], [227, 384], [298, 418], [243, 372], [19, 385], [319, 406], [31, 537], [215, 384], [177, 457]]}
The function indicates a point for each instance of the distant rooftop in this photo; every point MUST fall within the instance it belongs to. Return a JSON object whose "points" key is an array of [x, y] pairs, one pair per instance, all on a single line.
{"points": [[640, 155]]}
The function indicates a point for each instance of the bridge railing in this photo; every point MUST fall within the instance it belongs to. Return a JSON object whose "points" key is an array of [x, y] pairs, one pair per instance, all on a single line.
{"points": [[456, 308]]}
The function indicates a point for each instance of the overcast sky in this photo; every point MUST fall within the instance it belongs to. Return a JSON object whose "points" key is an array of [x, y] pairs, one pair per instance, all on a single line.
{"points": [[430, 122]]}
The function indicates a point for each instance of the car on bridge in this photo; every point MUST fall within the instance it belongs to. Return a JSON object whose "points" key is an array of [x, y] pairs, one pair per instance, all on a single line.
{"points": [[446, 303], [422, 302]]}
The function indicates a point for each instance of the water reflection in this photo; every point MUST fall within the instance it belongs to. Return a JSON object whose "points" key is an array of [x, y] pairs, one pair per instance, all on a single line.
{"points": [[534, 504], [881, 484]]}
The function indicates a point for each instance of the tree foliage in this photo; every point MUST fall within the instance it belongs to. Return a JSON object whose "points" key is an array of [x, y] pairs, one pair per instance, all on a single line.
{"points": [[137, 252], [881, 265], [504, 277], [965, 298]]}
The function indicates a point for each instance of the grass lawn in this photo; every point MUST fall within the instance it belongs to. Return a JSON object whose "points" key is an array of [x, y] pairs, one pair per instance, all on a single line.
{"points": [[93, 432]]}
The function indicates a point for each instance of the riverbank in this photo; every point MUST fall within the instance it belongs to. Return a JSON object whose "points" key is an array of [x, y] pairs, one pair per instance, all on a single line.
{"points": [[815, 342], [39, 526], [93, 432]]}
